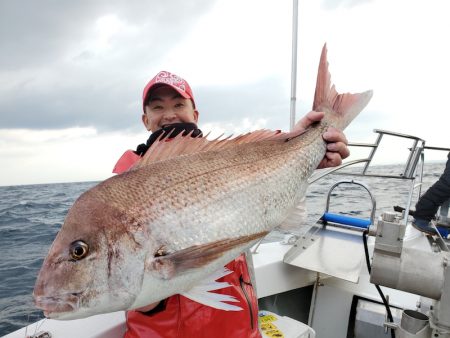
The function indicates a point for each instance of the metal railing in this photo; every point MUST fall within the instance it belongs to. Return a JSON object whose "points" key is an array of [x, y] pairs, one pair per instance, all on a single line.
{"points": [[412, 170]]}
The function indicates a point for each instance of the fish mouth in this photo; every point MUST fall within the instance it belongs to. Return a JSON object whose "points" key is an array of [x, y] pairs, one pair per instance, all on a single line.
{"points": [[55, 306]]}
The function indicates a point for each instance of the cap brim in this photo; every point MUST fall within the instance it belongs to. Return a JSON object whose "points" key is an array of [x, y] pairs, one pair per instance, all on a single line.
{"points": [[157, 85]]}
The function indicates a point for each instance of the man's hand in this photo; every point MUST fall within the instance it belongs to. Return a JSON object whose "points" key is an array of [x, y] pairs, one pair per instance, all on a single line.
{"points": [[336, 141]]}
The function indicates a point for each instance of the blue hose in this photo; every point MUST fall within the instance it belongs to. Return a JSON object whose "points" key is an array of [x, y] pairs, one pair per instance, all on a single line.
{"points": [[363, 223]]}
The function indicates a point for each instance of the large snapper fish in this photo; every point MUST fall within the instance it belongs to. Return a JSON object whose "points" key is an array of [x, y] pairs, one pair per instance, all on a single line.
{"points": [[184, 211]]}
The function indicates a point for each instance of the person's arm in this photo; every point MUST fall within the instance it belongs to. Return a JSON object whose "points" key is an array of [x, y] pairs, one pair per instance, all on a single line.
{"points": [[429, 203], [337, 149]]}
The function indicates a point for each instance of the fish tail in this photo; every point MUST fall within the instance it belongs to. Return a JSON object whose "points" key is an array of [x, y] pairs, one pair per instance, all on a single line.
{"points": [[344, 107]]}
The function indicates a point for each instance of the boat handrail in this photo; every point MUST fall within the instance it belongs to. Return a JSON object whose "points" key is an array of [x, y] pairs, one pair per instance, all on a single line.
{"points": [[414, 161], [394, 133], [414, 155], [409, 171], [436, 148], [324, 172]]}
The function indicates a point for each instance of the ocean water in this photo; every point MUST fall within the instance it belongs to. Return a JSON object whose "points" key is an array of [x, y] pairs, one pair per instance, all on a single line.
{"points": [[31, 215]]}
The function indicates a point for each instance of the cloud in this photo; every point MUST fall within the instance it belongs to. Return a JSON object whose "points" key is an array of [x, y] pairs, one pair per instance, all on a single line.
{"points": [[63, 155], [84, 63], [81, 65], [268, 99], [37, 33]]}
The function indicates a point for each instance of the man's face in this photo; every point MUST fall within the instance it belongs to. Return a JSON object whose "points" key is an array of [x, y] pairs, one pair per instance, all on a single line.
{"points": [[167, 106]]}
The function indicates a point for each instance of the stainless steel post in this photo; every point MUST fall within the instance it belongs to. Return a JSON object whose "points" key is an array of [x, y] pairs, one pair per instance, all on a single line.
{"points": [[294, 63]]}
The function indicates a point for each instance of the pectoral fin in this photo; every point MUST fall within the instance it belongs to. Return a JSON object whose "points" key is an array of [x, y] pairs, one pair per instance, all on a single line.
{"points": [[170, 264]]}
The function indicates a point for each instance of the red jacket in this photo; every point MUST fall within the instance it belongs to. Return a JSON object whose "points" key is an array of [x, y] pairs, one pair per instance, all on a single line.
{"points": [[180, 317], [184, 318]]}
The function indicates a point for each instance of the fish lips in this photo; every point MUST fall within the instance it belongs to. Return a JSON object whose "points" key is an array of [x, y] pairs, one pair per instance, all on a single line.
{"points": [[56, 306]]}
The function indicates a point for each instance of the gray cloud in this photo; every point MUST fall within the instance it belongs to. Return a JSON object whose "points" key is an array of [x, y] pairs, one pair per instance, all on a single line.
{"points": [[265, 99], [38, 32], [117, 106], [55, 81], [50, 80]]}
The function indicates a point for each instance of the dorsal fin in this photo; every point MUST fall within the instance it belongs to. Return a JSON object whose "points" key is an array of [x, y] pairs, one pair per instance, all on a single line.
{"points": [[163, 149]]}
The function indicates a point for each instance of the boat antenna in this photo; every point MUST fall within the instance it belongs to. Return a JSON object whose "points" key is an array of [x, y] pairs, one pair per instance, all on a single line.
{"points": [[294, 62]]}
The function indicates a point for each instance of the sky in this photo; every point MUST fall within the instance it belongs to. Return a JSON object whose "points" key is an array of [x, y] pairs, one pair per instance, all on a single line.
{"points": [[72, 73]]}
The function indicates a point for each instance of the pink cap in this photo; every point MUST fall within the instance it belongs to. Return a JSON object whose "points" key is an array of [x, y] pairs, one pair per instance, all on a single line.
{"points": [[169, 79]]}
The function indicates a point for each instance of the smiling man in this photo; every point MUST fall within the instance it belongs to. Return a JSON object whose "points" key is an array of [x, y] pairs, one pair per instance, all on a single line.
{"points": [[165, 106]]}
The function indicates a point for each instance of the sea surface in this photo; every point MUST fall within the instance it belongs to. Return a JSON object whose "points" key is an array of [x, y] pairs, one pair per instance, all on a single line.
{"points": [[31, 215]]}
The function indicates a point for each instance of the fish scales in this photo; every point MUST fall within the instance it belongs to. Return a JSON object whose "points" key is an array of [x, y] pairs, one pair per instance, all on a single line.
{"points": [[249, 207], [213, 199]]}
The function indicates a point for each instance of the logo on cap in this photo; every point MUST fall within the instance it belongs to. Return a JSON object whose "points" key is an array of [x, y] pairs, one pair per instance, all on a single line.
{"points": [[170, 79]]}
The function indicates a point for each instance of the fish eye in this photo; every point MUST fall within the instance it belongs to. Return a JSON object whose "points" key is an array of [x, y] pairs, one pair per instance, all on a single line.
{"points": [[78, 250]]}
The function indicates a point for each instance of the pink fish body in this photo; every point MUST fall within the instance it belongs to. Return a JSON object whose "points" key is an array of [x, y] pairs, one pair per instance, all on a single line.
{"points": [[188, 208]]}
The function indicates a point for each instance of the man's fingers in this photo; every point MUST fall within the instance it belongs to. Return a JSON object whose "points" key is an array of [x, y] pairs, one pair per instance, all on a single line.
{"points": [[334, 135], [331, 159], [308, 119], [340, 148]]}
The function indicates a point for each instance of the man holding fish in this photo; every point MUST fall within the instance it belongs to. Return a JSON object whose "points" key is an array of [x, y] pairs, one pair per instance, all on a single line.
{"points": [[169, 109], [160, 239]]}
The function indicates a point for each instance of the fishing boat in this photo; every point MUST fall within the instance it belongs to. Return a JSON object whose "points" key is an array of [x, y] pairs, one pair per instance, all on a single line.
{"points": [[341, 275]]}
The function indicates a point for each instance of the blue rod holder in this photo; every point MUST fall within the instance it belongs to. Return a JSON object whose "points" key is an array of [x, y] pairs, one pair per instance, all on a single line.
{"points": [[363, 223]]}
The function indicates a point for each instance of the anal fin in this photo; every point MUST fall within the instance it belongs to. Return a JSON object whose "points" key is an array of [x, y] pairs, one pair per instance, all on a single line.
{"points": [[202, 293]]}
